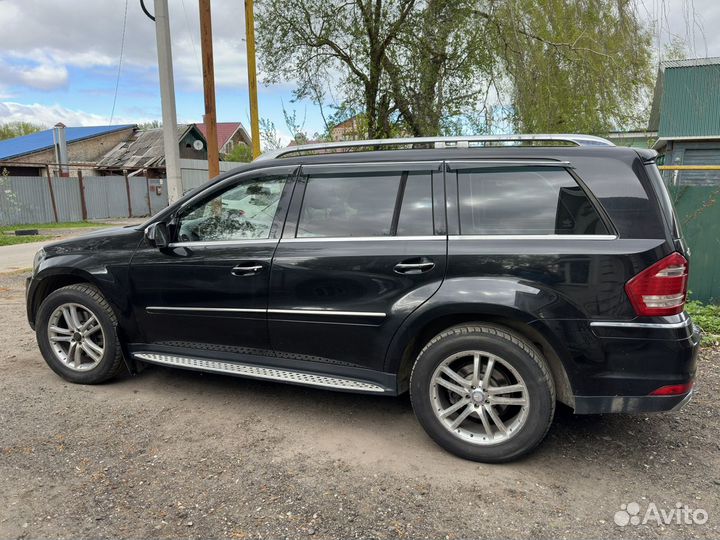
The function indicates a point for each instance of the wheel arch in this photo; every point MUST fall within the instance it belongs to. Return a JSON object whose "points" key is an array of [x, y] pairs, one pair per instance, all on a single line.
{"points": [[407, 344], [56, 278], [51, 281]]}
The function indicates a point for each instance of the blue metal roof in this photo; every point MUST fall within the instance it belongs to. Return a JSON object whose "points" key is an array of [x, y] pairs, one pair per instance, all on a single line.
{"points": [[35, 142]]}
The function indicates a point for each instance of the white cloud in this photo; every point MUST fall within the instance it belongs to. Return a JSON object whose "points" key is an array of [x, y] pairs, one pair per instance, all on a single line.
{"points": [[47, 37], [49, 115]]}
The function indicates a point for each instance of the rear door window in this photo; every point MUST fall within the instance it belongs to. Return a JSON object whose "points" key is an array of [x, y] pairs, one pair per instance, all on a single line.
{"points": [[524, 201], [367, 204]]}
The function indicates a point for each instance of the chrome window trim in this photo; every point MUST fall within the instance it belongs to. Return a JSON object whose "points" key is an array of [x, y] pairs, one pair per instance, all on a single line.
{"points": [[419, 165], [360, 238], [298, 311], [604, 237], [205, 243], [618, 324], [469, 163]]}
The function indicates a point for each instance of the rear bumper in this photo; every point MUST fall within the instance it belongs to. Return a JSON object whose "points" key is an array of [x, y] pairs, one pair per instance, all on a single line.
{"points": [[629, 404], [615, 366]]}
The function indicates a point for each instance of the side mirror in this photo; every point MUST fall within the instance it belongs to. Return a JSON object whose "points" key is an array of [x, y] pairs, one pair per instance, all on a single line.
{"points": [[157, 235]]}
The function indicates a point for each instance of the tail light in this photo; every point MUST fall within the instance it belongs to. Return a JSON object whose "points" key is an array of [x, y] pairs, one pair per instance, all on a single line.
{"points": [[672, 390], [660, 289]]}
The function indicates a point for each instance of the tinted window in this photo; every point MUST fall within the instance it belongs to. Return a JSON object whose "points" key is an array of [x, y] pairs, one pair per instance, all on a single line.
{"points": [[525, 201], [416, 213], [349, 205], [245, 211]]}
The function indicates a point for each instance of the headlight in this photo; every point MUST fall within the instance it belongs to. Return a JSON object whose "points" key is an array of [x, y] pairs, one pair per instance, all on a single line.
{"points": [[39, 257]]}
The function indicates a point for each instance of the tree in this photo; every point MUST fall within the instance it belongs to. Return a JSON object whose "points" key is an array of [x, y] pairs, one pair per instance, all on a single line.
{"points": [[152, 124], [10, 130], [575, 65], [428, 67], [269, 138], [240, 153]]}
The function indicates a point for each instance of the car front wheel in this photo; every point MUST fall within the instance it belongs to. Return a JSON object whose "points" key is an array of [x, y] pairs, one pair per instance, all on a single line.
{"points": [[76, 333], [483, 392]]}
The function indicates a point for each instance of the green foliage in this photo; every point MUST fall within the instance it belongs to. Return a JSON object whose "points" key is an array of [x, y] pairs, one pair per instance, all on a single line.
{"points": [[675, 50], [240, 153], [153, 124], [10, 130], [269, 138], [8, 240], [429, 67], [707, 317], [575, 66], [61, 225]]}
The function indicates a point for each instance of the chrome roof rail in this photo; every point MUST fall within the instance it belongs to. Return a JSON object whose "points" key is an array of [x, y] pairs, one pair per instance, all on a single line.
{"points": [[472, 141]]}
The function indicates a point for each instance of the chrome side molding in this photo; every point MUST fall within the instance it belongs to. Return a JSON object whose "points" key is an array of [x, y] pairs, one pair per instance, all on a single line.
{"points": [[564, 237], [259, 372], [161, 309], [619, 324]]}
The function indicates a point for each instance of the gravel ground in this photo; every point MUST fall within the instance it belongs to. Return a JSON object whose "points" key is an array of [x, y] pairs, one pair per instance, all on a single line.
{"points": [[173, 453]]}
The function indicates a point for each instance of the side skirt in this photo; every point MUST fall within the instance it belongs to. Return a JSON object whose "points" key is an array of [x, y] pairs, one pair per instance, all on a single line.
{"points": [[270, 368]]}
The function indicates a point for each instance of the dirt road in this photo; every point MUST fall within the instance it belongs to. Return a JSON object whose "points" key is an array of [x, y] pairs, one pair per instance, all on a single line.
{"points": [[173, 453]]}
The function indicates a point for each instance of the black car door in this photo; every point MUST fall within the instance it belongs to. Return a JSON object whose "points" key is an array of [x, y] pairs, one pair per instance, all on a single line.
{"points": [[209, 287], [363, 246]]}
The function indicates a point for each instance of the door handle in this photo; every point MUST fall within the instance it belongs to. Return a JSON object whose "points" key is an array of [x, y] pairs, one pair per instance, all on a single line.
{"points": [[423, 265], [246, 270]]}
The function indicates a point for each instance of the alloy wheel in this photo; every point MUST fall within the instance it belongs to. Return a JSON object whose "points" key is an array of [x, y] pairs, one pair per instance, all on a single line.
{"points": [[479, 397], [76, 337]]}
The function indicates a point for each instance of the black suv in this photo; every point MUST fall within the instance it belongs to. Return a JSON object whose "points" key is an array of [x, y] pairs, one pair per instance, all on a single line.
{"points": [[488, 276]]}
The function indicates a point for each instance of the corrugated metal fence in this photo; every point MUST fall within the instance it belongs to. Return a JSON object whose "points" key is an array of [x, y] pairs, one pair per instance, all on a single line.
{"points": [[195, 172], [29, 199], [695, 194]]}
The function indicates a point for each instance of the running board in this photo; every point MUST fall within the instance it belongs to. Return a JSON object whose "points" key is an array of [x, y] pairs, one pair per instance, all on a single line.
{"points": [[259, 372]]}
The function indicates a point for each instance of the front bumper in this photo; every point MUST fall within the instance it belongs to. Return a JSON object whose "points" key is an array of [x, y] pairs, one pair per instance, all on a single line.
{"points": [[29, 290]]}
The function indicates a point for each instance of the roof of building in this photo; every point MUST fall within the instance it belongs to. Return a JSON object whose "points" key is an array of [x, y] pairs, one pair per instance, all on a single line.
{"points": [[687, 99], [144, 151], [226, 131], [42, 140]]}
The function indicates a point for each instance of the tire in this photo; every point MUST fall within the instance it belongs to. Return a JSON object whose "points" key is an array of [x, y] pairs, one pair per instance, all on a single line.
{"points": [[80, 301], [525, 414]]}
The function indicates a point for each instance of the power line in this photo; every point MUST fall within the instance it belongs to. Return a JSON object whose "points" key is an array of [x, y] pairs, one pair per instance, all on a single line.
{"points": [[192, 39], [122, 50]]}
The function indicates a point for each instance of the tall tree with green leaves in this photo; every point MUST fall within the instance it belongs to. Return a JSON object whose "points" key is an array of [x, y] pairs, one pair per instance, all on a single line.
{"points": [[10, 130], [574, 65], [428, 67]]}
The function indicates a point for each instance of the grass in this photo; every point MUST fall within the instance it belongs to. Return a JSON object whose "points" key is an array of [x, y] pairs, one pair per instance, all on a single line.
{"points": [[707, 317], [8, 240], [62, 225]]}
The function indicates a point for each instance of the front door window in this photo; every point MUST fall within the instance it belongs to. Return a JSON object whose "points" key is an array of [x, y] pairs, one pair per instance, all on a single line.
{"points": [[245, 211]]}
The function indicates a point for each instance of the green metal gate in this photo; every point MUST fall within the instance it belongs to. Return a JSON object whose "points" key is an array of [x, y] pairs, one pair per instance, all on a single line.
{"points": [[698, 210]]}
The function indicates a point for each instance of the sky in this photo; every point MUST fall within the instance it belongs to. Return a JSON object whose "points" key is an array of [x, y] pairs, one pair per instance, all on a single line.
{"points": [[59, 60]]}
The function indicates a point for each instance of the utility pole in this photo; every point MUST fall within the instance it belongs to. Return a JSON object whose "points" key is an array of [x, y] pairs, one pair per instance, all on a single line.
{"points": [[252, 77], [167, 96], [210, 117]]}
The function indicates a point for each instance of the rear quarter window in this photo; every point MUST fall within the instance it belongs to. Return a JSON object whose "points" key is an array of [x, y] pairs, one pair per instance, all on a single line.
{"points": [[622, 189], [525, 201]]}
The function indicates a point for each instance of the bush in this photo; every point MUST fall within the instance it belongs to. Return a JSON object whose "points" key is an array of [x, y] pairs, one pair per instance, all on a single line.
{"points": [[707, 317]]}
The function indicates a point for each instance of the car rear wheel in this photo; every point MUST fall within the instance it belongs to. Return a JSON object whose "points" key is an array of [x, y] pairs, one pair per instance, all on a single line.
{"points": [[483, 392], [76, 332]]}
